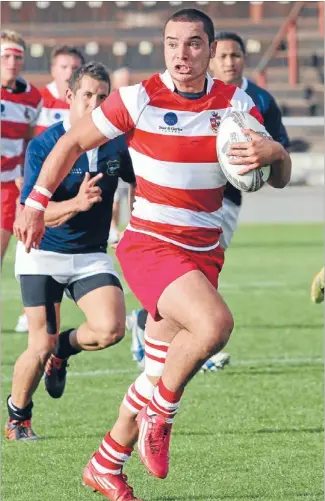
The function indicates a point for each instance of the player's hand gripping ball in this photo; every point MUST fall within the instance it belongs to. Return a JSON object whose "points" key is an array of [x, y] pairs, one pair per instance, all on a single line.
{"points": [[233, 129]]}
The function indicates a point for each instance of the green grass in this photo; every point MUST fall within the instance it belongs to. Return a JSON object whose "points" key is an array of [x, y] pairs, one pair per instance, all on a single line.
{"points": [[251, 432]]}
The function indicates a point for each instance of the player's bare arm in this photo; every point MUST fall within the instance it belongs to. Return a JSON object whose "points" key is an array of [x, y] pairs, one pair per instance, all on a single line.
{"points": [[262, 151], [58, 213], [83, 136]]}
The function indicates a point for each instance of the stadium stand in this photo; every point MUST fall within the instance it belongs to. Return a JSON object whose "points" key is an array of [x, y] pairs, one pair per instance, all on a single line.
{"points": [[129, 34]]}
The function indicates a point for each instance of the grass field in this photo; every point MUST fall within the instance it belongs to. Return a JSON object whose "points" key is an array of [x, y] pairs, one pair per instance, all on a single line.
{"points": [[251, 432]]}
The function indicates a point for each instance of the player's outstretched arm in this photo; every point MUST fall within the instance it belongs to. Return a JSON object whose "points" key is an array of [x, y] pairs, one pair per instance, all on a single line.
{"points": [[29, 226], [82, 136]]}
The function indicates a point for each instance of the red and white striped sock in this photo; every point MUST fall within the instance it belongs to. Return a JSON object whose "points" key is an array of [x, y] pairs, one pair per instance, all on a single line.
{"points": [[139, 394], [155, 356], [164, 402], [111, 456]]}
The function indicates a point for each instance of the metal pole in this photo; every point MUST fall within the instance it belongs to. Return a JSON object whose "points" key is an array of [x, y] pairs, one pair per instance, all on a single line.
{"points": [[261, 79], [292, 54], [321, 18], [256, 12]]}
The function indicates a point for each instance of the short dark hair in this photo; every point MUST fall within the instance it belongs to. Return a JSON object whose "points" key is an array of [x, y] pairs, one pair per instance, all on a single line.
{"points": [[98, 71], [191, 16], [228, 35], [67, 50]]}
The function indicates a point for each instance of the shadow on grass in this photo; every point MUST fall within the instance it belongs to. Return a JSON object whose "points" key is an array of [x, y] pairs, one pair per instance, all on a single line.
{"points": [[273, 369], [248, 497], [254, 326], [204, 433], [212, 497], [12, 332], [291, 430]]}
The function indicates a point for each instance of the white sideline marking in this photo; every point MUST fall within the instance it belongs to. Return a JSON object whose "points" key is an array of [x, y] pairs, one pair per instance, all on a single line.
{"points": [[237, 363]]}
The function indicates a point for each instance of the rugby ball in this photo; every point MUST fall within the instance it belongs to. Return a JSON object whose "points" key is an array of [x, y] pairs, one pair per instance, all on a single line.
{"points": [[230, 131]]}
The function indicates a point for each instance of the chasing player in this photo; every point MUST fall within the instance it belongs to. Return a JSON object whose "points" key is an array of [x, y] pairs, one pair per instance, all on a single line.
{"points": [[65, 59], [72, 255]]}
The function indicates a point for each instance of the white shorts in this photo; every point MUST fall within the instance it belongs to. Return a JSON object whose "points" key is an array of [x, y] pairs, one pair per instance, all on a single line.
{"points": [[230, 214], [122, 190], [64, 268]]}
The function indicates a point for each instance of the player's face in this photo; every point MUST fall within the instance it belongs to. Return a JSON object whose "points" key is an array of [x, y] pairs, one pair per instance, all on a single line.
{"points": [[90, 94], [187, 54], [62, 68], [228, 63], [11, 66]]}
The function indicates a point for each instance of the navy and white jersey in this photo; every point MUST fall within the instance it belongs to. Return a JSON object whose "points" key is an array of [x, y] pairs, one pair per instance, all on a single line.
{"points": [[272, 116], [86, 231]]}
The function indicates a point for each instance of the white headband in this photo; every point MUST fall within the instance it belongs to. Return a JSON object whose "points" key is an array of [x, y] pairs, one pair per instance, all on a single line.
{"points": [[15, 47]]}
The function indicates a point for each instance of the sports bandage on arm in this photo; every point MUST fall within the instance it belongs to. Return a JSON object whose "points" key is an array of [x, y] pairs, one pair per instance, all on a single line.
{"points": [[38, 198]]}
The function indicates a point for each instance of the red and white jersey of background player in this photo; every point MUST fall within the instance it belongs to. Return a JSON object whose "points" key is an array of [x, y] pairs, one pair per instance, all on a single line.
{"points": [[54, 109], [19, 111], [172, 143]]}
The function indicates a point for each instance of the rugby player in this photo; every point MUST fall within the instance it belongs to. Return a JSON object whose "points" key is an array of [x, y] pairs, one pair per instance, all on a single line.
{"points": [[20, 107], [170, 253], [228, 65], [71, 257], [65, 59]]}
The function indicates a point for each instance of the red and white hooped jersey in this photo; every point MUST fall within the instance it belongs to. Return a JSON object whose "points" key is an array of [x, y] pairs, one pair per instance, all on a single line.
{"points": [[19, 112], [54, 109], [172, 143]]}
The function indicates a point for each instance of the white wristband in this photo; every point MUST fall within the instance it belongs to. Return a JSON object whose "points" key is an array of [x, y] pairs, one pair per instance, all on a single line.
{"points": [[35, 205], [43, 191]]}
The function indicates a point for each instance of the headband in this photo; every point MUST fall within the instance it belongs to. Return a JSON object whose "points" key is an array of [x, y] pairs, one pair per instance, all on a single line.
{"points": [[14, 47]]}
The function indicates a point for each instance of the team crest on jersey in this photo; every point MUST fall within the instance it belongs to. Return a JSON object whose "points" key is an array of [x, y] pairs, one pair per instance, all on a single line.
{"points": [[215, 120], [3, 110], [113, 167]]}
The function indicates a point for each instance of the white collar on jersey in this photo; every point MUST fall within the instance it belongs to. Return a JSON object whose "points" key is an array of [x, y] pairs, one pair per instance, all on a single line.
{"points": [[244, 83], [168, 81], [66, 123], [52, 87]]}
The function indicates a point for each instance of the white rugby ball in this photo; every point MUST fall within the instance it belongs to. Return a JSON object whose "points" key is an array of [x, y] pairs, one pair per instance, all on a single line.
{"points": [[230, 131]]}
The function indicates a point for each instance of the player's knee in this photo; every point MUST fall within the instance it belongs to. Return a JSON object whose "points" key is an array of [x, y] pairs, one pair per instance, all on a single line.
{"points": [[109, 332], [42, 350], [217, 333]]}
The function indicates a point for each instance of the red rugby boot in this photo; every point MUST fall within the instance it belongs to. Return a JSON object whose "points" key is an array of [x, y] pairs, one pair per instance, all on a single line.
{"points": [[153, 443], [20, 430], [113, 487]]}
